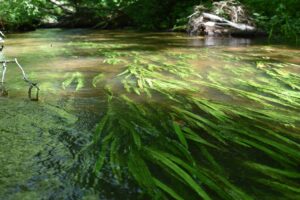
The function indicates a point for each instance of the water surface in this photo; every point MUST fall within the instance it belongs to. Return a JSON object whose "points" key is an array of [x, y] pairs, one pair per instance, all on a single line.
{"points": [[84, 74]]}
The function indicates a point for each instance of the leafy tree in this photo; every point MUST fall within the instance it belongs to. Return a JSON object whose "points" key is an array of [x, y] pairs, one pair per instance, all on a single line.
{"points": [[20, 14], [277, 17]]}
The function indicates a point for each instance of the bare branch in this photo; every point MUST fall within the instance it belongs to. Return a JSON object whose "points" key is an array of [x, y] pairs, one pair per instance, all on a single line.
{"points": [[66, 7]]}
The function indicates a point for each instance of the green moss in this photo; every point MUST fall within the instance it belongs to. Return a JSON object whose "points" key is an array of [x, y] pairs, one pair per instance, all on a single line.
{"points": [[26, 131]]}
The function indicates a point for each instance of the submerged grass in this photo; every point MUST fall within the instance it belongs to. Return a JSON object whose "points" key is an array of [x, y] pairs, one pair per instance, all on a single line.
{"points": [[177, 142]]}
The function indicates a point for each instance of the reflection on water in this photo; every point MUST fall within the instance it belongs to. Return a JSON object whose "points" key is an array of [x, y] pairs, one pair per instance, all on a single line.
{"points": [[187, 78], [212, 41]]}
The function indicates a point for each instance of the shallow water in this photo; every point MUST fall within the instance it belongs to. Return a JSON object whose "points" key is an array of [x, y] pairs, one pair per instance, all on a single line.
{"points": [[40, 141]]}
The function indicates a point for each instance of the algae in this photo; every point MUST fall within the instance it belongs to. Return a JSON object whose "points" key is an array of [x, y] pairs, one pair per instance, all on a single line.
{"points": [[28, 130]]}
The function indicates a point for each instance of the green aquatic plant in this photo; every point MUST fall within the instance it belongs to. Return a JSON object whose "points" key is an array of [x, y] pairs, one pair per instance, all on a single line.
{"points": [[74, 79], [277, 71], [132, 140], [172, 140], [97, 79], [113, 61]]}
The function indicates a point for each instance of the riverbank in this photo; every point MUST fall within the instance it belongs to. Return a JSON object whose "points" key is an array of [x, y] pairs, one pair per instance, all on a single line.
{"points": [[278, 19]]}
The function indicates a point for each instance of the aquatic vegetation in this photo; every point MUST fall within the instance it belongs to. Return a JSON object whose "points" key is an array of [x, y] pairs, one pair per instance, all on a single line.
{"points": [[277, 71], [173, 121], [98, 79], [75, 78], [176, 130], [27, 134], [162, 123]]}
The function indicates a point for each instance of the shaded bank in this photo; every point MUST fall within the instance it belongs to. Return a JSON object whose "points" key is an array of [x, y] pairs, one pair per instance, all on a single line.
{"points": [[279, 19]]}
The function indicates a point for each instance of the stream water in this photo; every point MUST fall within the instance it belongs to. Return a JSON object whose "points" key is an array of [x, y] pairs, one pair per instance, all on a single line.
{"points": [[84, 74]]}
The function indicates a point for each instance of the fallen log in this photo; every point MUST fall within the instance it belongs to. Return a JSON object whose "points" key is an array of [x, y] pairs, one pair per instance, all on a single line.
{"points": [[243, 27], [211, 24]]}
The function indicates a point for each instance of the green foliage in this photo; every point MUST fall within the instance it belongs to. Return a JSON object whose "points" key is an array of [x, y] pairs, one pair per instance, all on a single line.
{"points": [[20, 14], [279, 18], [172, 141], [155, 14], [75, 78]]}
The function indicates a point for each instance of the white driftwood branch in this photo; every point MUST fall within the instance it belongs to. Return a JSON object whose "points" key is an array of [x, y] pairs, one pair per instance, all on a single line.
{"points": [[242, 27], [66, 7], [2, 34]]}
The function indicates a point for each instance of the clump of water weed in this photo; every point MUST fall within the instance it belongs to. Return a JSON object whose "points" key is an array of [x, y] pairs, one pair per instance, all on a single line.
{"points": [[177, 142]]}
